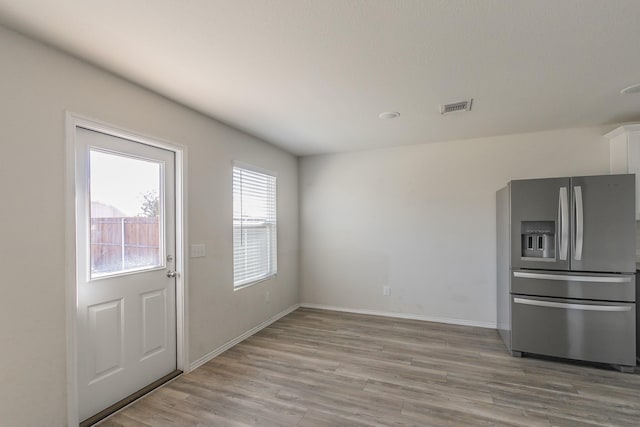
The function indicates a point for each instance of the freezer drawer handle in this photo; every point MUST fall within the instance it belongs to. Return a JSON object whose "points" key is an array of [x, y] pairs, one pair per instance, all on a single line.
{"points": [[572, 306], [561, 277]]}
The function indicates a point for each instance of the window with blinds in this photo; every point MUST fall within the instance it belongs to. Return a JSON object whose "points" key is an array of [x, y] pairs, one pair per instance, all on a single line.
{"points": [[254, 226]]}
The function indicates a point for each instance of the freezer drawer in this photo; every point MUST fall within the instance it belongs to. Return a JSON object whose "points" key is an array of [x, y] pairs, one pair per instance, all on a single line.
{"points": [[594, 331], [612, 287]]}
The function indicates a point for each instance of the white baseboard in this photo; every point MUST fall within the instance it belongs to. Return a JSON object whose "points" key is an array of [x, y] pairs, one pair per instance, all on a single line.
{"points": [[204, 359], [449, 320]]}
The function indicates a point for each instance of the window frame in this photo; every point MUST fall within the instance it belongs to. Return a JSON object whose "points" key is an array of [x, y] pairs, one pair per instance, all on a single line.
{"points": [[273, 236]]}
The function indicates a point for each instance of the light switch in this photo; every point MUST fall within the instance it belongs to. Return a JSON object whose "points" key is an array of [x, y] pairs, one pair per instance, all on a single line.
{"points": [[198, 250]]}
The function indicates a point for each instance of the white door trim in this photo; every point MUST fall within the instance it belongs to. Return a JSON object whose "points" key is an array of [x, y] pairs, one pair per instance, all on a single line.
{"points": [[73, 121]]}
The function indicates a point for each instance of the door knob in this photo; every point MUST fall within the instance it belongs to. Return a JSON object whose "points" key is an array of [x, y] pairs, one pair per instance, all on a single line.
{"points": [[172, 273]]}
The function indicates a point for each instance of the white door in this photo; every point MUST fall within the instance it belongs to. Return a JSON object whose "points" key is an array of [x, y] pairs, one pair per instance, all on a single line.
{"points": [[125, 245]]}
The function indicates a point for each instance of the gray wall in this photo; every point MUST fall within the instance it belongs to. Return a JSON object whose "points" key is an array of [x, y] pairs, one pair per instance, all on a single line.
{"points": [[37, 84], [421, 219]]}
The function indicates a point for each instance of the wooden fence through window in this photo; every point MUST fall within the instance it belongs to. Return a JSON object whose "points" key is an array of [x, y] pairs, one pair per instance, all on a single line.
{"points": [[124, 243]]}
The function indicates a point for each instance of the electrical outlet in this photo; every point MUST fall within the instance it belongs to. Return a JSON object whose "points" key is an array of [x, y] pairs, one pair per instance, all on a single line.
{"points": [[267, 296], [386, 291]]}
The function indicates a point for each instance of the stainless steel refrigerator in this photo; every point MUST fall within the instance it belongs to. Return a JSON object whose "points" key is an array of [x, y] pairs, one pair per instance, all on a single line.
{"points": [[566, 268]]}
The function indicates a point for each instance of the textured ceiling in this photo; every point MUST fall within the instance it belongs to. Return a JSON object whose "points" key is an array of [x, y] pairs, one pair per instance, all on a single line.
{"points": [[312, 76]]}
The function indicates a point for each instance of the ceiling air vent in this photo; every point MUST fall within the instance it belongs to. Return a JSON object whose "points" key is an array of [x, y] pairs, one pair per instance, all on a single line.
{"points": [[456, 107]]}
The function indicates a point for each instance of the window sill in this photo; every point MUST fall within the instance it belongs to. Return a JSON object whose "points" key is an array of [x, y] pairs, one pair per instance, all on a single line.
{"points": [[255, 282]]}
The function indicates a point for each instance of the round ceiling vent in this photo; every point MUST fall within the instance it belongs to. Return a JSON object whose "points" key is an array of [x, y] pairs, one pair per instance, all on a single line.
{"points": [[631, 89], [389, 115]]}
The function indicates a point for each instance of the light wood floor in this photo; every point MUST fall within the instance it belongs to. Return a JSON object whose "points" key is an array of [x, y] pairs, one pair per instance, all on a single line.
{"points": [[323, 368]]}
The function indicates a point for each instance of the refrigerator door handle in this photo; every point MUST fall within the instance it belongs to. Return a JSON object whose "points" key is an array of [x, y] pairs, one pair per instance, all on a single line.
{"points": [[573, 278], [584, 307], [579, 239], [563, 220]]}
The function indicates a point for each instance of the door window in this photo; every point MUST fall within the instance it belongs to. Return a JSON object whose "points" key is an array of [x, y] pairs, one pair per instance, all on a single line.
{"points": [[126, 231]]}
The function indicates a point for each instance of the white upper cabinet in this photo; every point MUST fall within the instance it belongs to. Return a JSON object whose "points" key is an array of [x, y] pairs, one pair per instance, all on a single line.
{"points": [[625, 154]]}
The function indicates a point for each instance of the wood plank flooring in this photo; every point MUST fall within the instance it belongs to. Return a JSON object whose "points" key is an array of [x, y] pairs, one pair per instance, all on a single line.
{"points": [[324, 368]]}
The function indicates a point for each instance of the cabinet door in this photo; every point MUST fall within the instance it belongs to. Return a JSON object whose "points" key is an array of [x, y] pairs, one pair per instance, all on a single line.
{"points": [[624, 150], [633, 165]]}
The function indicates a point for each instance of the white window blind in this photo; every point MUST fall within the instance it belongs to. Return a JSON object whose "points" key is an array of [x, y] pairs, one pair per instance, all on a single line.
{"points": [[254, 226]]}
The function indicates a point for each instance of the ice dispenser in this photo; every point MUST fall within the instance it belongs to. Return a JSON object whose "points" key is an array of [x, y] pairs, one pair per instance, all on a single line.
{"points": [[538, 239]]}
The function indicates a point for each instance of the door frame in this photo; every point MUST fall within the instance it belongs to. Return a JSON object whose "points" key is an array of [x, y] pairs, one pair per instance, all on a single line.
{"points": [[74, 121]]}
